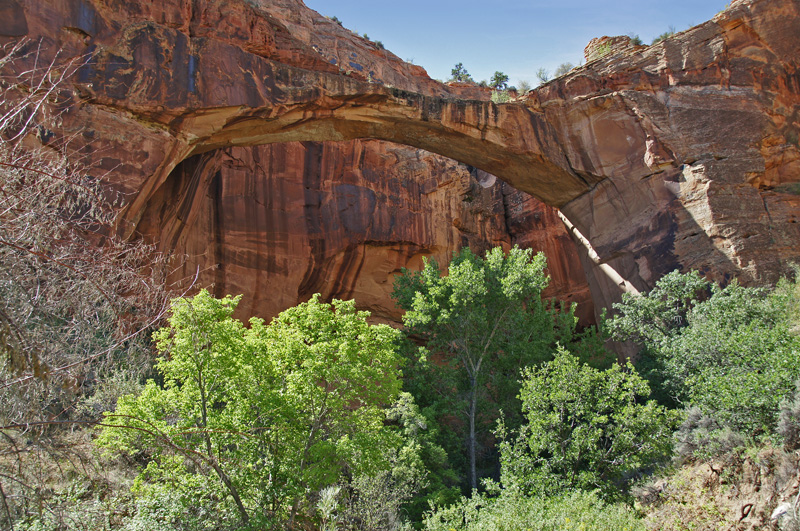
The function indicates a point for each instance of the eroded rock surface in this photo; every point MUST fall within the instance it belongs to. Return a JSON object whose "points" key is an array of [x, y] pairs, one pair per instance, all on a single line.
{"points": [[682, 154], [281, 222]]}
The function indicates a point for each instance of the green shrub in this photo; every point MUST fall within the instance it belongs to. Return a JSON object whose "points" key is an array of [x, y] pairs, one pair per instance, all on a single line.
{"points": [[585, 428], [571, 510], [500, 96], [731, 352]]}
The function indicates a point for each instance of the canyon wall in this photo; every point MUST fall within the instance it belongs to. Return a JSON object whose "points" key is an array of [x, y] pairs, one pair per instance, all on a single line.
{"points": [[679, 155], [281, 222]]}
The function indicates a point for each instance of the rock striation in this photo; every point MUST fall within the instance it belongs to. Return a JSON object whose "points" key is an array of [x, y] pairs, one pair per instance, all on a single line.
{"points": [[280, 222], [682, 154]]}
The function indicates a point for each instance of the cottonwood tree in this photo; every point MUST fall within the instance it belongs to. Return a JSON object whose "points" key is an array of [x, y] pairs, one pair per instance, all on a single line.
{"points": [[483, 321], [270, 412]]}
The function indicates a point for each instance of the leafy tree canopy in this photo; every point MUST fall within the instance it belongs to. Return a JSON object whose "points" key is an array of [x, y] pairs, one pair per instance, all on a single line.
{"points": [[273, 411], [585, 429], [730, 351], [486, 319]]}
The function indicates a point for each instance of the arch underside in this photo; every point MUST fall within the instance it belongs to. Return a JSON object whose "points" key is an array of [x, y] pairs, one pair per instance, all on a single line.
{"points": [[677, 155]]}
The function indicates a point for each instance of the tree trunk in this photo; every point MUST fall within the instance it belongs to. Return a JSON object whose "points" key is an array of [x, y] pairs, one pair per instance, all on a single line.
{"points": [[232, 489], [473, 406]]}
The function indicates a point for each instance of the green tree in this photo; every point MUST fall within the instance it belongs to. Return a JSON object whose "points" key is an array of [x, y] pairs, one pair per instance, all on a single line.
{"points": [[487, 319], [543, 75], [460, 74], [729, 351], [563, 68], [585, 428], [274, 412], [499, 81]]}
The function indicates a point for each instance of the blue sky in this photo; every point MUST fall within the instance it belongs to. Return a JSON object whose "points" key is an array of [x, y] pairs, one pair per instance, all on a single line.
{"points": [[516, 37]]}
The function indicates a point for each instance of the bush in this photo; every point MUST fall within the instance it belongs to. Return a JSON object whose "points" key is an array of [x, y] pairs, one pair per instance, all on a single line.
{"points": [[500, 96], [701, 436], [571, 510], [789, 421], [586, 429], [731, 352], [75, 302]]}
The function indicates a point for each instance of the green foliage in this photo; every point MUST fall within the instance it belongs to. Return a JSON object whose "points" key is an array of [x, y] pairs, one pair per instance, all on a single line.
{"points": [[460, 74], [585, 428], [603, 50], [789, 420], [500, 96], [523, 86], [563, 68], [483, 321], [163, 508], [635, 39], [575, 510], [543, 75], [666, 35], [336, 20], [499, 81], [272, 412], [733, 354]]}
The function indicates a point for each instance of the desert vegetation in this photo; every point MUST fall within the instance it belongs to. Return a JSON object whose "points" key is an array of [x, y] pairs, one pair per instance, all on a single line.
{"points": [[489, 408]]}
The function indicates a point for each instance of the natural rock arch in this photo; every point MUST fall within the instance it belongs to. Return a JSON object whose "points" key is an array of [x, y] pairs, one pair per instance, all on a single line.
{"points": [[681, 154]]}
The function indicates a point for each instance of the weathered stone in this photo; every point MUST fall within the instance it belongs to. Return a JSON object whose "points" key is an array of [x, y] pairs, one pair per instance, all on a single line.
{"points": [[682, 154], [281, 222]]}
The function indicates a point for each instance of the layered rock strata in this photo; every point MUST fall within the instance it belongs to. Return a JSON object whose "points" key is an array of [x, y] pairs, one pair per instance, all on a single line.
{"points": [[682, 154], [281, 222]]}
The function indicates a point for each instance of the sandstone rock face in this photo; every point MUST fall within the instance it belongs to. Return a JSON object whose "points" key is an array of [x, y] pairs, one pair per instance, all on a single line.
{"points": [[683, 154], [281, 222]]}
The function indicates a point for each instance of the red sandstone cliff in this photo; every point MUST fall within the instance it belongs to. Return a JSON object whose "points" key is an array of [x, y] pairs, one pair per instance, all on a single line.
{"points": [[283, 221], [683, 154]]}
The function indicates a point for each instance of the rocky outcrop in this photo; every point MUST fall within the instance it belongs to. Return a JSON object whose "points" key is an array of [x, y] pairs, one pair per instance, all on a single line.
{"points": [[682, 154], [281, 222]]}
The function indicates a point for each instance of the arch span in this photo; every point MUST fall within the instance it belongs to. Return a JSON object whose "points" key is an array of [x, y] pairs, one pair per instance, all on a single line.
{"points": [[682, 154]]}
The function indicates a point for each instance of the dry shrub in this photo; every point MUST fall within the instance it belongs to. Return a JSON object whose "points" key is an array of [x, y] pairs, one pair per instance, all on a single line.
{"points": [[76, 302]]}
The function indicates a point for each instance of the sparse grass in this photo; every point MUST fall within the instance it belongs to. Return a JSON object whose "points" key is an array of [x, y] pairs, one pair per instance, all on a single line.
{"points": [[715, 493], [603, 50]]}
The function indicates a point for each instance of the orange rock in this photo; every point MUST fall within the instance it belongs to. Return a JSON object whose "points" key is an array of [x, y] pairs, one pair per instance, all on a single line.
{"points": [[281, 222], [679, 155]]}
